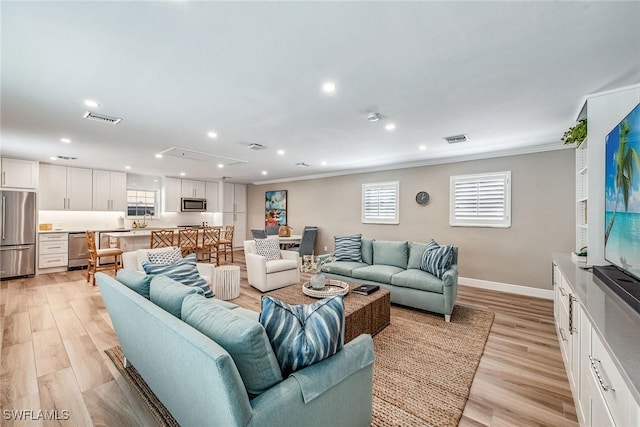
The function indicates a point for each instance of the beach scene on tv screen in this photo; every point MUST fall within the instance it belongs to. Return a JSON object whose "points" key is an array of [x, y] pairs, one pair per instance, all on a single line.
{"points": [[622, 192]]}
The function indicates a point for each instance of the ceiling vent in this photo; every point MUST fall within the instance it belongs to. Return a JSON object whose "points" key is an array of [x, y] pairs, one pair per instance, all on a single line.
{"points": [[224, 178], [67, 158], [100, 118], [256, 147], [455, 138], [374, 117], [302, 165]]}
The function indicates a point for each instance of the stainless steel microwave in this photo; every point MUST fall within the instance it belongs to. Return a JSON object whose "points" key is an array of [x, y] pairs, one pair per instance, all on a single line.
{"points": [[189, 204]]}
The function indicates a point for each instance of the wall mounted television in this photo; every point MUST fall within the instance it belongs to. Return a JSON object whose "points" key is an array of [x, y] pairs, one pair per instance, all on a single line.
{"points": [[622, 209]]}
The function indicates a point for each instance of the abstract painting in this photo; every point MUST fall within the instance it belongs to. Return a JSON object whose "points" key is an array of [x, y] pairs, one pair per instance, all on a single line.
{"points": [[275, 207]]}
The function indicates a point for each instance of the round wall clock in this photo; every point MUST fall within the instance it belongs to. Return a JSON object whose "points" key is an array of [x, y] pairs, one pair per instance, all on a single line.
{"points": [[422, 198]]}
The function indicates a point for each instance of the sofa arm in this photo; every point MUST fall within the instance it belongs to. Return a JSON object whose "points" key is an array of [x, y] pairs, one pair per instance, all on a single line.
{"points": [[207, 271], [335, 391], [450, 290]]}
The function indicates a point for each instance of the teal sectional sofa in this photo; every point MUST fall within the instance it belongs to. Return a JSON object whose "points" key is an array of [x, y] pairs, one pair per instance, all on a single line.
{"points": [[395, 266], [229, 381]]}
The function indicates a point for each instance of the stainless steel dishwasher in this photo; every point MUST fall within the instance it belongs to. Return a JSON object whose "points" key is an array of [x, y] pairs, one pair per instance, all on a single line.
{"points": [[77, 250]]}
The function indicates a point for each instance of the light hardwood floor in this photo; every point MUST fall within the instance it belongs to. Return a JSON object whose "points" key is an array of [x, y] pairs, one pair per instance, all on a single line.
{"points": [[54, 329]]}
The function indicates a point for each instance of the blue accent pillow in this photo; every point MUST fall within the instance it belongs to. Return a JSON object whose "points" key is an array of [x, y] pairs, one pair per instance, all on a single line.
{"points": [[135, 280], [168, 294], [436, 259], [183, 270], [348, 248], [303, 334]]}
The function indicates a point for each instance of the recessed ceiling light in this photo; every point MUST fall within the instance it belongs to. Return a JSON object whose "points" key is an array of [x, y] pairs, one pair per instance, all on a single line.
{"points": [[127, 167], [155, 180], [281, 152], [264, 172], [390, 126], [220, 165], [212, 135], [323, 163], [91, 103], [158, 156], [329, 88], [65, 140], [53, 158], [422, 147], [182, 174]]}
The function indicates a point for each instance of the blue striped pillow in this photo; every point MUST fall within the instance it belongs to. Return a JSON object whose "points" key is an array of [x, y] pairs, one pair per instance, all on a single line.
{"points": [[436, 259], [183, 270], [348, 248], [303, 334]]}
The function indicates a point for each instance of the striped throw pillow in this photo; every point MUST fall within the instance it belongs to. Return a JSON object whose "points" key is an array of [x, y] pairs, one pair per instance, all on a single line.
{"points": [[268, 248], [348, 248], [165, 257], [183, 270], [436, 259], [303, 334]]}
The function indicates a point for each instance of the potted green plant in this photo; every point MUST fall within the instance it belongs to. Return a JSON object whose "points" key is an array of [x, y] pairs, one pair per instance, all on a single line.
{"points": [[576, 134]]}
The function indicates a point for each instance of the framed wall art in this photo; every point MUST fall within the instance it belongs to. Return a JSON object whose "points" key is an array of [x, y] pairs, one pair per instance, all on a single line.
{"points": [[275, 208]]}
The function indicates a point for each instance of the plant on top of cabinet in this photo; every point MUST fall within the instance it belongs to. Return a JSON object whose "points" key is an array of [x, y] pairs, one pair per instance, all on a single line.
{"points": [[576, 134]]}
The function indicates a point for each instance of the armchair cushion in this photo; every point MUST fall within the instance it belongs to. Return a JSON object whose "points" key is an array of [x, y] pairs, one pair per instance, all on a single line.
{"points": [[135, 280], [168, 294], [437, 259], [183, 270], [303, 334], [268, 248], [281, 265]]}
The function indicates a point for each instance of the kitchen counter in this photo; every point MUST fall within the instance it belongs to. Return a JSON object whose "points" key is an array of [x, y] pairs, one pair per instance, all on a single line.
{"points": [[77, 230]]}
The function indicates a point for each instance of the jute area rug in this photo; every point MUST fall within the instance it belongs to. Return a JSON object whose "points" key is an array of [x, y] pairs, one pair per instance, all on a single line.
{"points": [[422, 374]]}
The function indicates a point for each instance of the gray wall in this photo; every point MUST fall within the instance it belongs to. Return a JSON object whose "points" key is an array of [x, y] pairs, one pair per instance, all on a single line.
{"points": [[543, 214]]}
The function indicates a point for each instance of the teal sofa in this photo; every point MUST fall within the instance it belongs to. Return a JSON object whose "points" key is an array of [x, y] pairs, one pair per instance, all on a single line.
{"points": [[200, 383], [395, 266]]}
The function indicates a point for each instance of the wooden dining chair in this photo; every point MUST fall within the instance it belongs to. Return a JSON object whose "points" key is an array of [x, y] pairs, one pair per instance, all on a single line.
{"points": [[188, 241], [94, 255], [226, 241], [161, 238], [210, 246]]}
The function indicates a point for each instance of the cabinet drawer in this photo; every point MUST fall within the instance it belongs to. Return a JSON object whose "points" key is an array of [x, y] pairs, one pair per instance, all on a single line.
{"points": [[49, 237], [54, 247], [618, 397], [55, 260]]}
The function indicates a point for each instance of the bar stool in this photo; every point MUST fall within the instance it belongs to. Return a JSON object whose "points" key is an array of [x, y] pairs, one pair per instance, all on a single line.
{"points": [[94, 256], [188, 241], [161, 239], [210, 244], [226, 241]]}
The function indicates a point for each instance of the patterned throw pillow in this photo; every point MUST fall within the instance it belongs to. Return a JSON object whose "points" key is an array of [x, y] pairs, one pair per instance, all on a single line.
{"points": [[183, 270], [165, 257], [348, 248], [303, 334], [268, 248], [436, 259]]}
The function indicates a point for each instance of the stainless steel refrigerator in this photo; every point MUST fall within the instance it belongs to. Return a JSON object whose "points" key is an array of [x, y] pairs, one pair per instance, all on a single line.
{"points": [[17, 234]]}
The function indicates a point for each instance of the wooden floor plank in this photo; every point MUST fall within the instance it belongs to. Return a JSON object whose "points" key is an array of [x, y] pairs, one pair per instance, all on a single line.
{"points": [[49, 352], [59, 392]]}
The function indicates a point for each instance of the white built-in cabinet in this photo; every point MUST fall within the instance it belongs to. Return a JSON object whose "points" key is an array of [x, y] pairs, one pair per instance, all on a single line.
{"points": [[196, 189], [65, 188], [18, 173], [234, 206], [109, 191], [212, 191], [174, 189]]}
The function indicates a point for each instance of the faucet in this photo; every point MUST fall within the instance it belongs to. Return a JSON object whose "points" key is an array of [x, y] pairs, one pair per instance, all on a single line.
{"points": [[144, 219]]}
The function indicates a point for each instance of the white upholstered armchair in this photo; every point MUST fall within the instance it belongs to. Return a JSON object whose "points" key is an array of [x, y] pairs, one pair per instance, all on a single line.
{"points": [[268, 275]]}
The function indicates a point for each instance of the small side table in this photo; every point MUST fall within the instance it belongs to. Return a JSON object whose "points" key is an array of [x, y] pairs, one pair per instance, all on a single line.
{"points": [[226, 282]]}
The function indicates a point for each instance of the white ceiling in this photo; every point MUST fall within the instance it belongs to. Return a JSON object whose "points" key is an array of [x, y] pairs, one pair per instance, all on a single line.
{"points": [[509, 75]]}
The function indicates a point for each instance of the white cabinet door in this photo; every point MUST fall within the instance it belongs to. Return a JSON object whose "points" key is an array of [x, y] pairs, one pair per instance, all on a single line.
{"points": [[79, 189], [199, 189], [240, 196], [228, 197], [118, 191], [187, 189], [52, 189], [240, 230], [101, 190], [212, 196], [172, 194], [18, 173]]}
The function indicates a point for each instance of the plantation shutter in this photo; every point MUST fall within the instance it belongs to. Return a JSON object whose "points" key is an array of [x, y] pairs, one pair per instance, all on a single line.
{"points": [[481, 200], [380, 203]]}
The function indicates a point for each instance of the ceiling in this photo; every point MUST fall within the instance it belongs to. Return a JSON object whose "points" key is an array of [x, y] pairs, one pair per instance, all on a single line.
{"points": [[510, 75]]}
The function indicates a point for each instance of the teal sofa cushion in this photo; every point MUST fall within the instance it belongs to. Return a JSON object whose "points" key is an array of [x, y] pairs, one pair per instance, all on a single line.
{"points": [[415, 254], [135, 280], [417, 279], [183, 270], [168, 294], [390, 253], [245, 340], [376, 273], [343, 268], [304, 334], [367, 251]]}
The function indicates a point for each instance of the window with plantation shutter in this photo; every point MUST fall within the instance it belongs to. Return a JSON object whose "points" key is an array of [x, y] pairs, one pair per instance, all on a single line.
{"points": [[481, 200], [380, 203]]}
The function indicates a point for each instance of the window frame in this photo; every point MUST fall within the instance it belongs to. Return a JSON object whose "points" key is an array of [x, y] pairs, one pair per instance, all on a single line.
{"points": [[156, 203], [503, 222], [380, 219]]}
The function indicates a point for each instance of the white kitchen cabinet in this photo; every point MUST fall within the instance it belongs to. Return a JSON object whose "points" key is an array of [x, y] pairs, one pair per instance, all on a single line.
{"points": [[196, 189], [18, 173], [239, 222], [109, 191], [234, 197], [172, 193], [65, 188], [53, 250], [212, 196]]}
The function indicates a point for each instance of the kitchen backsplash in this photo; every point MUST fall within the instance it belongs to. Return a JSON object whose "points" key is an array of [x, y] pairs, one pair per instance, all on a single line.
{"points": [[78, 220]]}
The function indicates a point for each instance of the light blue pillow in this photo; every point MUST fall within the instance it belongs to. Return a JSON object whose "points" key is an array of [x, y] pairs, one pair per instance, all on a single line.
{"points": [[168, 294], [135, 280], [183, 270], [348, 248], [395, 253], [416, 250], [437, 259], [245, 340], [367, 251], [303, 334]]}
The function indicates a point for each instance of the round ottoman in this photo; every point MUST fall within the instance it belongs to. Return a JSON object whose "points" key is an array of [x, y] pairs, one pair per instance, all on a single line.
{"points": [[226, 282]]}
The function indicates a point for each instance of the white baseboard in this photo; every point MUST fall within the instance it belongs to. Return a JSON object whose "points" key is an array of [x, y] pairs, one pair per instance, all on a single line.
{"points": [[506, 287]]}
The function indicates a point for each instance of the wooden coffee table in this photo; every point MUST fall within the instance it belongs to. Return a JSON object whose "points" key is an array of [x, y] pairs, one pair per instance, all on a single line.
{"points": [[364, 314]]}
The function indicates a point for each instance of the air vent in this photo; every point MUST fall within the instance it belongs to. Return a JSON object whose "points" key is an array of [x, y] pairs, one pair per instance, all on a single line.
{"points": [[224, 178], [256, 147], [100, 118], [302, 165], [374, 117], [67, 158], [455, 138]]}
